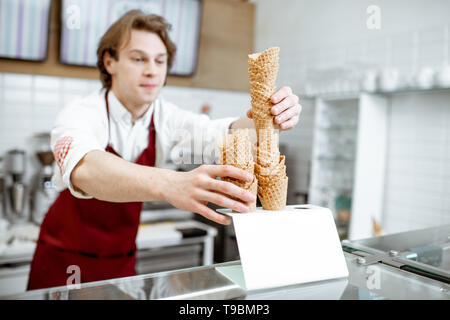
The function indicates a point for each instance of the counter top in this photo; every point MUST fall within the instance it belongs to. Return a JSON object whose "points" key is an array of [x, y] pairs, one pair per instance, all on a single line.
{"points": [[373, 282], [150, 235]]}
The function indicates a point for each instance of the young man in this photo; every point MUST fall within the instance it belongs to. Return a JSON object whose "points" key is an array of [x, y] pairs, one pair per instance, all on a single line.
{"points": [[111, 147]]}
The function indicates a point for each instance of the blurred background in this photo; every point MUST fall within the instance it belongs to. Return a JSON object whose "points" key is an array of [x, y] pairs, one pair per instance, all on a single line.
{"points": [[372, 143]]}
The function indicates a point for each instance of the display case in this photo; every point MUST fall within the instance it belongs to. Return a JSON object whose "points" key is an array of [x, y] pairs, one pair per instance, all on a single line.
{"points": [[333, 158], [371, 279], [425, 252]]}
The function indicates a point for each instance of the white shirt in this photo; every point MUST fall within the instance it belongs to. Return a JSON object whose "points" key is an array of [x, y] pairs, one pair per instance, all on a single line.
{"points": [[82, 126]]}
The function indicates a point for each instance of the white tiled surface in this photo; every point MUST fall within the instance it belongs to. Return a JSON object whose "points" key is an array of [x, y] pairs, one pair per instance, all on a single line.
{"points": [[418, 167], [314, 35]]}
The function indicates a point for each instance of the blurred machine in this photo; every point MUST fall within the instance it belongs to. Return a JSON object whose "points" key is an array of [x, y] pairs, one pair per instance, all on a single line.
{"points": [[17, 192], [44, 192]]}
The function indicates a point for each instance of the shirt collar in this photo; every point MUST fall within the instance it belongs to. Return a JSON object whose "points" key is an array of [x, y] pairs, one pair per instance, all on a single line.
{"points": [[119, 113]]}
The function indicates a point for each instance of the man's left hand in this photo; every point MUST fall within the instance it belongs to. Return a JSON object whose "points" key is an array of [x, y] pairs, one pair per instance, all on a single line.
{"points": [[286, 109]]}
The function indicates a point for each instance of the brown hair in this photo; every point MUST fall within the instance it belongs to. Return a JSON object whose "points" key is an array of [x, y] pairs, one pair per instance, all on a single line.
{"points": [[119, 34]]}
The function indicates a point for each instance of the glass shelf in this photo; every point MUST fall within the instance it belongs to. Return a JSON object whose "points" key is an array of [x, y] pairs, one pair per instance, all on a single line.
{"points": [[424, 251], [335, 158], [331, 128], [355, 95]]}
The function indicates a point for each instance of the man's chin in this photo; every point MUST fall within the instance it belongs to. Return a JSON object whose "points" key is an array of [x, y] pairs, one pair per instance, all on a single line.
{"points": [[149, 97]]}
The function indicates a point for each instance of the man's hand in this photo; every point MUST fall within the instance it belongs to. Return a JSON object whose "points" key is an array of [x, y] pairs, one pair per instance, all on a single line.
{"points": [[286, 109], [191, 191]]}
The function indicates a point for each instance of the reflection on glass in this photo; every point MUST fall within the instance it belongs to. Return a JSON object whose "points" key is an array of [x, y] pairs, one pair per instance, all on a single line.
{"points": [[425, 249]]}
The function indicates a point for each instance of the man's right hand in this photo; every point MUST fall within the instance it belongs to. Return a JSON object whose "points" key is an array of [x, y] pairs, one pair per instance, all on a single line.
{"points": [[191, 191]]}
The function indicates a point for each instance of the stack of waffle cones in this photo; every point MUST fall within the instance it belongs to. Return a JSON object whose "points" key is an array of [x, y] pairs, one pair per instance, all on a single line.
{"points": [[236, 150], [270, 168]]}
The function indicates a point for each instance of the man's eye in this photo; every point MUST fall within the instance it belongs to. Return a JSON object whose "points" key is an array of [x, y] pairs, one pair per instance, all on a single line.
{"points": [[138, 59], [160, 61]]}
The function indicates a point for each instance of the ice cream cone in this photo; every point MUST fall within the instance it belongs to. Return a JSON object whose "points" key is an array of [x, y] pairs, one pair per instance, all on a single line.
{"points": [[270, 168], [273, 196], [266, 171], [268, 56], [236, 150], [249, 186], [263, 67]]}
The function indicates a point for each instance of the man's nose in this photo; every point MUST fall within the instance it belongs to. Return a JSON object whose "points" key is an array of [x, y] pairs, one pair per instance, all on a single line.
{"points": [[150, 68]]}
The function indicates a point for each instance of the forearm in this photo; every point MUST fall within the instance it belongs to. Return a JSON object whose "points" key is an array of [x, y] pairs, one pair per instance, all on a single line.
{"points": [[110, 178], [242, 123]]}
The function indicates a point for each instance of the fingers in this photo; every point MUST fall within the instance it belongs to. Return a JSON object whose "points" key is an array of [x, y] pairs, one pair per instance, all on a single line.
{"points": [[282, 93], [211, 214], [289, 124], [286, 103], [222, 200], [227, 171], [230, 189], [288, 114]]}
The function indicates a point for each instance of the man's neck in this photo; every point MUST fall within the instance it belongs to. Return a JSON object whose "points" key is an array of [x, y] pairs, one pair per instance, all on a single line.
{"points": [[137, 111]]}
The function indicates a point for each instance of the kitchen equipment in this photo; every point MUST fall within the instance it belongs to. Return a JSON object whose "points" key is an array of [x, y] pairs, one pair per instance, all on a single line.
{"points": [[17, 192], [44, 191], [2, 191]]}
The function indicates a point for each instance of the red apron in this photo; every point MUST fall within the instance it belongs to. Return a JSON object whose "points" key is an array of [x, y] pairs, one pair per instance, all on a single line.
{"points": [[98, 237]]}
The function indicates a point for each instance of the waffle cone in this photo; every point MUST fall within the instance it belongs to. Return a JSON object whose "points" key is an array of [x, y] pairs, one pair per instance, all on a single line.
{"points": [[261, 88], [267, 171], [249, 186], [262, 113], [267, 153], [261, 106], [268, 56], [264, 75], [273, 178], [273, 196], [263, 67], [268, 175], [236, 150], [270, 168], [263, 124], [249, 167], [240, 183], [268, 159]]}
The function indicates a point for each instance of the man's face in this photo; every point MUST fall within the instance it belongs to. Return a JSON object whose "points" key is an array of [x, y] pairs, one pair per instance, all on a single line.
{"points": [[140, 72]]}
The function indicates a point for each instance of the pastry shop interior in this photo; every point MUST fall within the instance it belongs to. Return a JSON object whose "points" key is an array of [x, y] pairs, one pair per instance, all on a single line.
{"points": [[251, 149]]}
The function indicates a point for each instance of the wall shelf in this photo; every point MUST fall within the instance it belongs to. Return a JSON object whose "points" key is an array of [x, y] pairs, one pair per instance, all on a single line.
{"points": [[393, 132]]}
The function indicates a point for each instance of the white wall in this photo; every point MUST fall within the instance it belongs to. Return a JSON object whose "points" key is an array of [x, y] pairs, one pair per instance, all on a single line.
{"points": [[314, 34], [329, 33], [312, 24], [417, 184]]}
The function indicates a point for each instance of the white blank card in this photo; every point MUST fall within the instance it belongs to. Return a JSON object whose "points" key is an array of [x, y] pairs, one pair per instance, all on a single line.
{"points": [[297, 245]]}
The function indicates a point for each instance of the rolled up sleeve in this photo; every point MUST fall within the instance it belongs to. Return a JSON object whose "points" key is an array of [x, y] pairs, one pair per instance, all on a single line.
{"points": [[78, 129]]}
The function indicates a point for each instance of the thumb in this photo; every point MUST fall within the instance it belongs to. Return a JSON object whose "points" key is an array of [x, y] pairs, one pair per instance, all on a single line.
{"points": [[249, 113]]}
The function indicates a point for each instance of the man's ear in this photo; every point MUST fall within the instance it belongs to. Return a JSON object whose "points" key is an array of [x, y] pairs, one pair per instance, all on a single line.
{"points": [[109, 62]]}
